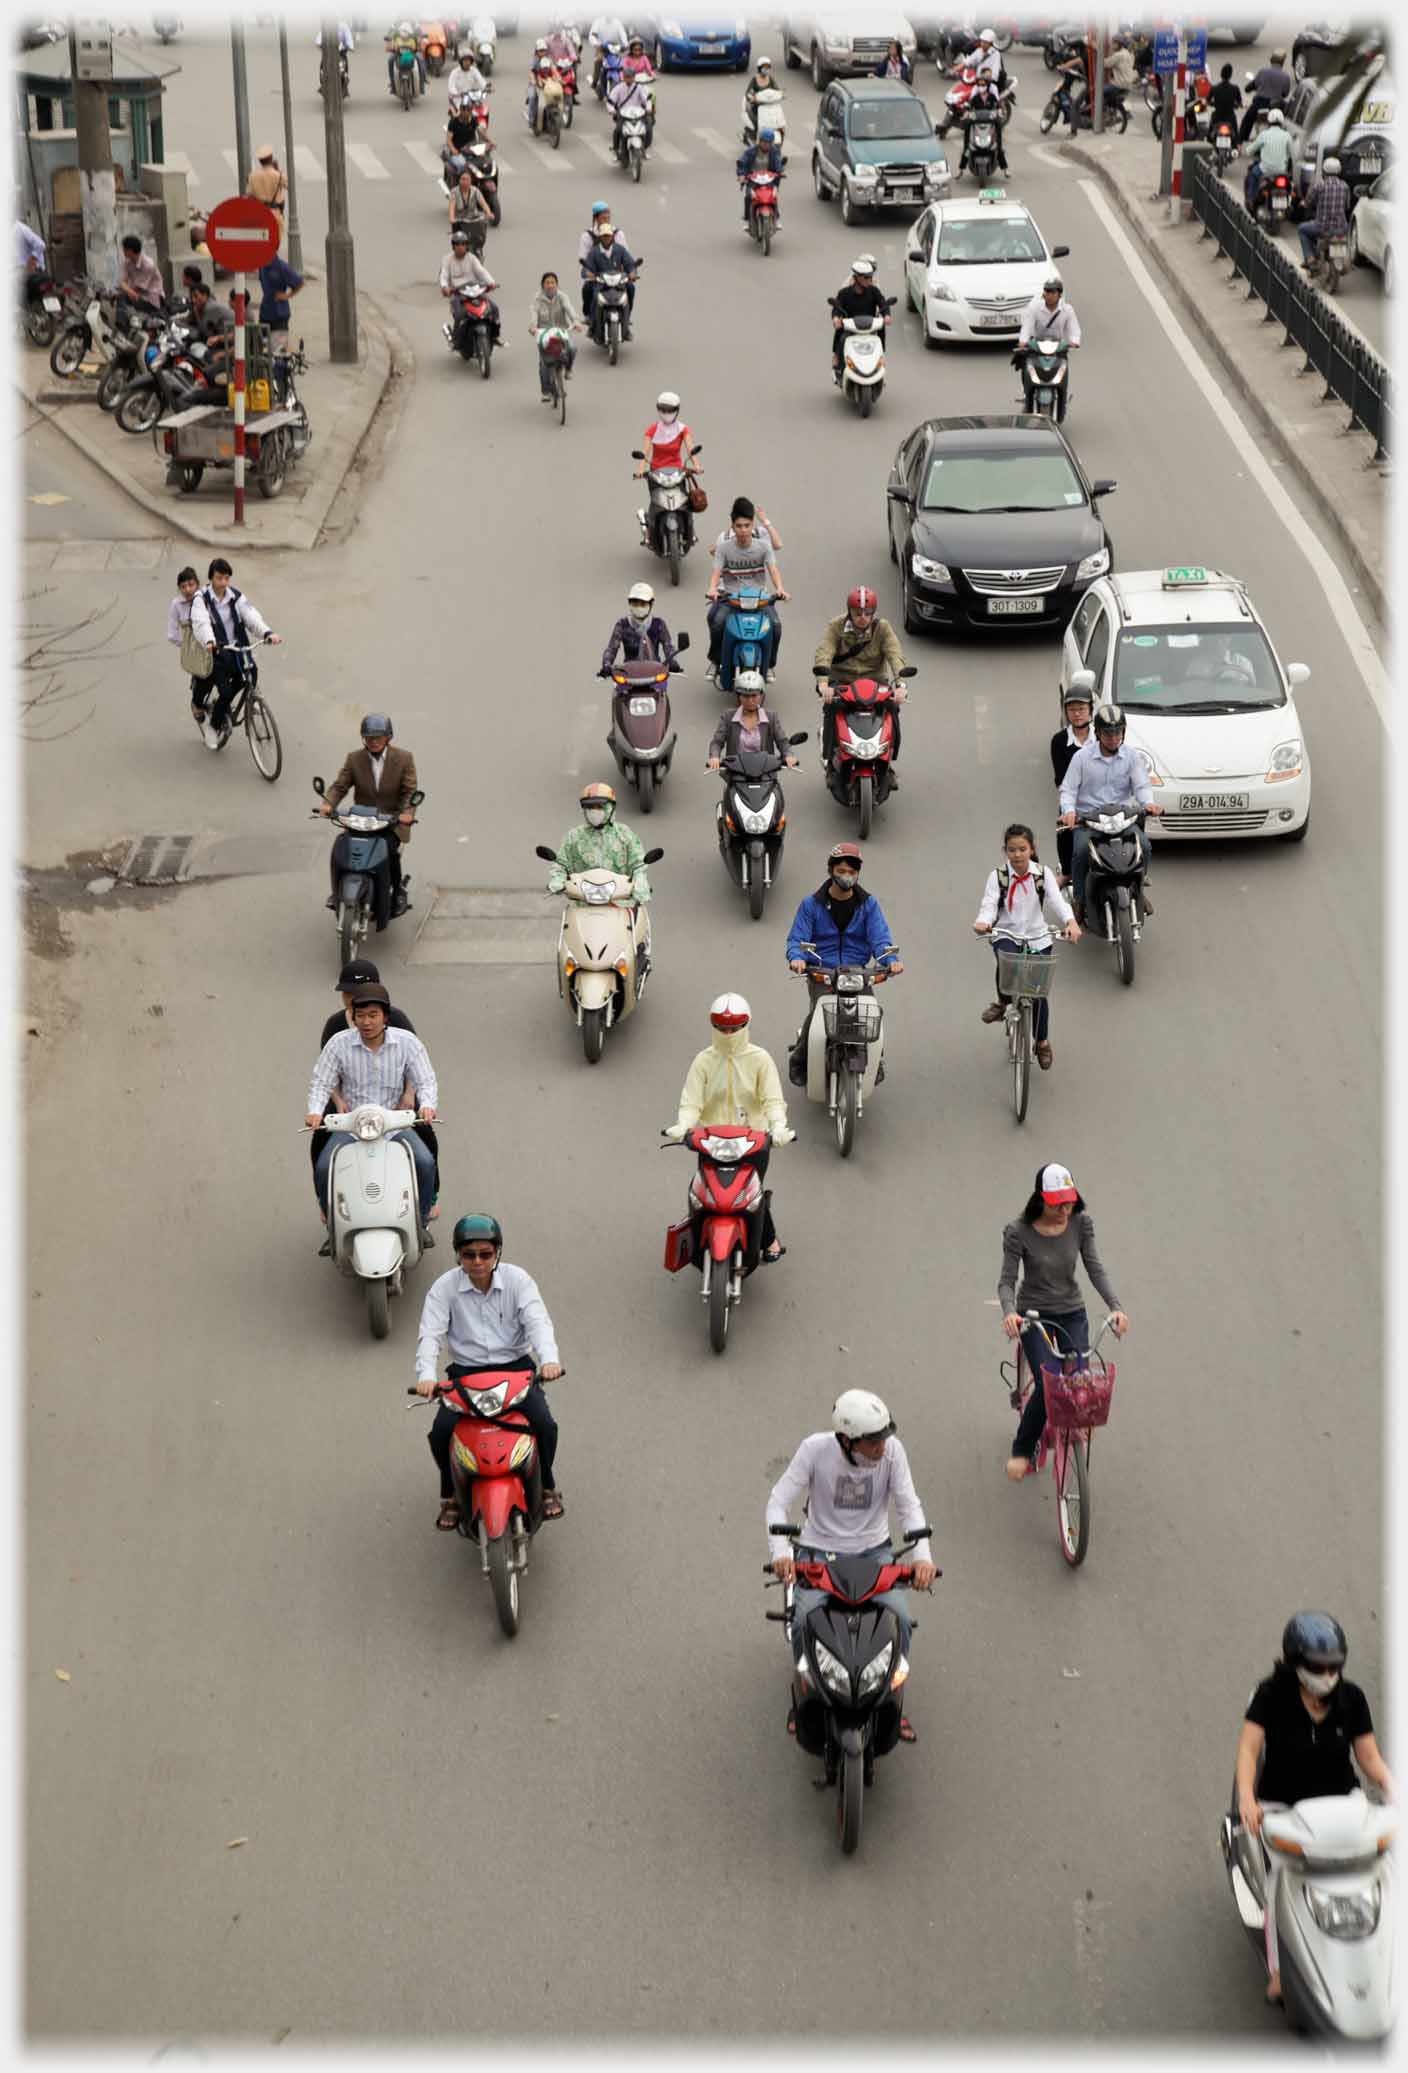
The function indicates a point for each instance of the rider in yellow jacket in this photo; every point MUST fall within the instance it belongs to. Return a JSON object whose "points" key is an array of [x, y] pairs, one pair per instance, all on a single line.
{"points": [[735, 1081]]}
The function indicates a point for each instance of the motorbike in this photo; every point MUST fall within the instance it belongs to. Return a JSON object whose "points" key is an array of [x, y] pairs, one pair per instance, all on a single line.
{"points": [[631, 152], [567, 74], [848, 1670], [407, 75], [40, 313], [723, 1233], [374, 1228], [603, 950], [475, 331], [1114, 885], [432, 47], [667, 521], [863, 357], [1334, 1909], [1077, 113], [93, 335], [957, 98], [496, 1475], [752, 818], [609, 71], [483, 166], [1331, 263], [751, 628], [859, 772], [762, 208], [845, 1043], [980, 149], [174, 376], [361, 870], [1044, 367], [1273, 202], [135, 352], [641, 738], [1224, 144], [611, 311], [765, 113]]}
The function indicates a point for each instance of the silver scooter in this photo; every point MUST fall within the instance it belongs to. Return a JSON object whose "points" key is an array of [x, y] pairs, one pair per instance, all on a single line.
{"points": [[374, 1228]]}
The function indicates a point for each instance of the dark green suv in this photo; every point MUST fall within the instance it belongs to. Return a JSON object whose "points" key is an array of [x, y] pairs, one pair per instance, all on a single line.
{"points": [[876, 148]]}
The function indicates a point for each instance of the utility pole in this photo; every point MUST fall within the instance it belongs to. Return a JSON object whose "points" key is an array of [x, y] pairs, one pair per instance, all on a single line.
{"points": [[242, 152], [295, 235], [92, 75], [1097, 112], [1166, 140], [341, 270]]}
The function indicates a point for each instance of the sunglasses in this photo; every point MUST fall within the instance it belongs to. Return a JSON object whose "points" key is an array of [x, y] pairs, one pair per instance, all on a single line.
{"points": [[478, 1252]]}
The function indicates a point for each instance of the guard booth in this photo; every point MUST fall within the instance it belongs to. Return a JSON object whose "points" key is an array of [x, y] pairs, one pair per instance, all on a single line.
{"points": [[46, 148]]}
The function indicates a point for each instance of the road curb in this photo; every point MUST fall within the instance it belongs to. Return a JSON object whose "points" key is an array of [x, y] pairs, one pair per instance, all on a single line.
{"points": [[301, 531], [1266, 414]]}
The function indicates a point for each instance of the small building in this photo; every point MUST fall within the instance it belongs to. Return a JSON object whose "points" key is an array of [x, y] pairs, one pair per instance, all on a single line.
{"points": [[46, 147]]}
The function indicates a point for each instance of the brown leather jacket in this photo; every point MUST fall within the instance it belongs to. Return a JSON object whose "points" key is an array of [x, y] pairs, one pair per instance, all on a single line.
{"points": [[398, 781]]}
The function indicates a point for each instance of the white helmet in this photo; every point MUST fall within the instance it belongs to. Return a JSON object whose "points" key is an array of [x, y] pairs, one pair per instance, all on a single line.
{"points": [[748, 680], [857, 1414], [541, 44], [730, 1012], [765, 64], [864, 265], [1275, 115], [403, 29], [1331, 166], [667, 400], [987, 37]]}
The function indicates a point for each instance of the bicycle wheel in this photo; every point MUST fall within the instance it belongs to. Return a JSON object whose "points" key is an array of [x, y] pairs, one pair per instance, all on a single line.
{"points": [[1022, 1061], [1073, 1495], [559, 383], [262, 733]]}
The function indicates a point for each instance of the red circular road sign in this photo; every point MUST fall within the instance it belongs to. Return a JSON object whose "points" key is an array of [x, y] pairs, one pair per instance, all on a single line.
{"points": [[242, 233]]}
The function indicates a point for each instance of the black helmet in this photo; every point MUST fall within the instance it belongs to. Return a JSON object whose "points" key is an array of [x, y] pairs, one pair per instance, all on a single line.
{"points": [[478, 1225], [1109, 719], [1314, 1641], [377, 723], [361, 972]]}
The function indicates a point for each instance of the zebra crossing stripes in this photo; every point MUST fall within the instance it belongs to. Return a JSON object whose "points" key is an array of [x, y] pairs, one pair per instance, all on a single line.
{"points": [[366, 161]]}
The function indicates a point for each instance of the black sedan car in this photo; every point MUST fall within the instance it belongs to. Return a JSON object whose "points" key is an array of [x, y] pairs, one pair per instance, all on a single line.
{"points": [[993, 523]]}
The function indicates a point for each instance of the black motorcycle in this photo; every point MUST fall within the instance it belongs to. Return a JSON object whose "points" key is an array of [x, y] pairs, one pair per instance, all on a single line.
{"points": [[848, 1670], [752, 816], [982, 131], [611, 311], [1114, 884], [361, 871], [171, 381], [1043, 362]]}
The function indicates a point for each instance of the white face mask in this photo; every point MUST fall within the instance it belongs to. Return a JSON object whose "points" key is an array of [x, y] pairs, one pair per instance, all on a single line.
{"points": [[596, 816], [669, 417], [640, 613], [1319, 1683]]}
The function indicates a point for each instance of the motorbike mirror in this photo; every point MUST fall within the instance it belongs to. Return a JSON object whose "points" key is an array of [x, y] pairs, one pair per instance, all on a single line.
{"points": [[784, 1532], [696, 449], [1060, 251], [636, 454], [1297, 673], [890, 301], [652, 856], [1103, 487], [549, 856], [682, 643], [821, 669], [796, 740], [917, 1533], [318, 786], [416, 798], [909, 670]]}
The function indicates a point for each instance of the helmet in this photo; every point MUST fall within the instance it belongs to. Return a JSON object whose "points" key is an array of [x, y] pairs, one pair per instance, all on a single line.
{"points": [[1275, 115], [640, 594], [857, 1414], [730, 1012], [861, 599], [1332, 166], [667, 400], [1109, 719], [459, 235], [600, 796], [748, 680], [1314, 1639], [367, 996], [843, 853], [541, 44], [403, 29], [1076, 695], [1053, 283], [765, 64], [377, 723], [600, 209], [864, 265], [478, 1225], [767, 136]]}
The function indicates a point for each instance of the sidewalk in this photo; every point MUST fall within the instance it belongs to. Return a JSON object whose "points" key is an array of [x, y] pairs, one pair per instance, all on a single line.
{"points": [[341, 401], [1333, 466]]}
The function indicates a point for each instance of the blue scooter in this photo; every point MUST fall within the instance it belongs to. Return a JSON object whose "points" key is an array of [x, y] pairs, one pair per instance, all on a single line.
{"points": [[750, 631], [361, 871]]}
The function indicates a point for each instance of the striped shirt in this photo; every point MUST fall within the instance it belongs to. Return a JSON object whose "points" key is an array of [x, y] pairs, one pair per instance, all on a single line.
{"points": [[508, 1319], [361, 1074]]}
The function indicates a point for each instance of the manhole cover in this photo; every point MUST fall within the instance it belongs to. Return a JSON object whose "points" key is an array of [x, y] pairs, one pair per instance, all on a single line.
{"points": [[482, 927], [157, 860]]}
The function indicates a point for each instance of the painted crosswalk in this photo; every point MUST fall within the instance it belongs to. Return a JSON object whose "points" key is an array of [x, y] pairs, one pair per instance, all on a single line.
{"points": [[306, 165], [723, 145], [670, 153], [366, 161]]}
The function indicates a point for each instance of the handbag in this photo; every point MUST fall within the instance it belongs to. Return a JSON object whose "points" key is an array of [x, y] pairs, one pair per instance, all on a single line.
{"points": [[698, 498], [196, 660]]}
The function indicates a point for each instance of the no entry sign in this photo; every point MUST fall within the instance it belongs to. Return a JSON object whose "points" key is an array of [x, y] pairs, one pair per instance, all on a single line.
{"points": [[242, 233]]}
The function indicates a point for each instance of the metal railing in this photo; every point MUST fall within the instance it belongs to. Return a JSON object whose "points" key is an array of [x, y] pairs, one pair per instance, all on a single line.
{"points": [[1352, 371]]}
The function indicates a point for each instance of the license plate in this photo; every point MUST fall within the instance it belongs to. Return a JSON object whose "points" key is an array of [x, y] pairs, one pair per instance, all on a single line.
{"points": [[712, 50], [995, 323], [1014, 607], [904, 186], [1214, 802], [51, 302]]}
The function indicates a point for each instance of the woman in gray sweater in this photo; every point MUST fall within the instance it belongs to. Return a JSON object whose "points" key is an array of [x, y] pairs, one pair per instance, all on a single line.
{"points": [[1043, 1245]]}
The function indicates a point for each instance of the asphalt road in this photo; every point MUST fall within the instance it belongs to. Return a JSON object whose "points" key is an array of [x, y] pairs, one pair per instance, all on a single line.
{"points": [[229, 1509]]}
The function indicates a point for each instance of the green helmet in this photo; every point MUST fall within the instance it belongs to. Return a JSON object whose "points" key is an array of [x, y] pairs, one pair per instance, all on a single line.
{"points": [[478, 1226]]}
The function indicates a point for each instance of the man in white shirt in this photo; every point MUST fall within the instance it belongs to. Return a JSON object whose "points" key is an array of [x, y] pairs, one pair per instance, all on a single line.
{"points": [[985, 58], [466, 82], [460, 270], [1047, 316], [607, 28], [1102, 776], [223, 619], [373, 1063]]}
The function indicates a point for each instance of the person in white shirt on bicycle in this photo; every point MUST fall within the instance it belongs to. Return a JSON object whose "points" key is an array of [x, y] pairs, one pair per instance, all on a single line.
{"points": [[1019, 900]]}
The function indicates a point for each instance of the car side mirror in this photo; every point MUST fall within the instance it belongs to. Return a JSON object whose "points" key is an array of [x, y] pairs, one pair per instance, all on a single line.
{"points": [[318, 786], [682, 643], [549, 856], [1060, 251], [1103, 487], [416, 798], [914, 255], [900, 496], [1081, 680], [653, 856], [1297, 673], [796, 740]]}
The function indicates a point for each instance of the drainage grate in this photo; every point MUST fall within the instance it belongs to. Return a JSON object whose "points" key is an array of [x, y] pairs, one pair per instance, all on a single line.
{"points": [[483, 927], [157, 860]]}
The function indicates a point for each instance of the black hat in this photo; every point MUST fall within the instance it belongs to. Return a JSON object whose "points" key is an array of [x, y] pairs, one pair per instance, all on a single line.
{"points": [[361, 972]]}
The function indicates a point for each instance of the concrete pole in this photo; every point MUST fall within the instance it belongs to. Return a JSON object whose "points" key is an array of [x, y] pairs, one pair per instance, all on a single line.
{"points": [[341, 268], [96, 180], [1098, 109], [242, 151], [295, 235], [1166, 141]]}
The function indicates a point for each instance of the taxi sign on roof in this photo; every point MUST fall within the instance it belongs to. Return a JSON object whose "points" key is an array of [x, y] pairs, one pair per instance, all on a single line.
{"points": [[1183, 579], [992, 194]]}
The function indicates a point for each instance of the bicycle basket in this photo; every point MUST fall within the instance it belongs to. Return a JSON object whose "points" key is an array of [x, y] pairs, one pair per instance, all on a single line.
{"points": [[853, 1019], [1079, 1399], [1028, 975], [553, 344]]}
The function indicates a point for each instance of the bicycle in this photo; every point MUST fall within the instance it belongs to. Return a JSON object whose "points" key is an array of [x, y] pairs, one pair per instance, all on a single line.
{"points": [[1024, 977], [249, 710], [1077, 1400]]}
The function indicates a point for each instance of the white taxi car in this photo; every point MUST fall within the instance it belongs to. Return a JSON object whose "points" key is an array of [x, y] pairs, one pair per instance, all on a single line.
{"points": [[972, 264], [1209, 704]]}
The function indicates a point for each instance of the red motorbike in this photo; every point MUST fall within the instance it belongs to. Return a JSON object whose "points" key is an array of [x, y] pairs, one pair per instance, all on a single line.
{"points": [[567, 74], [723, 1233], [474, 338], [762, 208], [859, 771], [497, 1478]]}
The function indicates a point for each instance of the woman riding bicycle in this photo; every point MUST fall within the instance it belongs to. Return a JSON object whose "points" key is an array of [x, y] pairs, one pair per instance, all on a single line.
{"points": [[1017, 899], [1053, 1231]]}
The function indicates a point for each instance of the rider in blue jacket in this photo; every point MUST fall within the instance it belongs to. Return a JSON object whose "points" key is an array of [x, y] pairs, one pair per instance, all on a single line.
{"points": [[844, 924], [764, 156]]}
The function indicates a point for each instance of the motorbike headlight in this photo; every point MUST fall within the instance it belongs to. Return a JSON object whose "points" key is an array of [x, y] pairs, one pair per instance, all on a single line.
{"points": [[489, 1402], [834, 1674], [876, 1670], [1094, 565], [865, 746], [1346, 1915], [866, 176], [850, 982], [931, 571], [940, 291], [758, 823], [596, 895], [1287, 760], [641, 708]]}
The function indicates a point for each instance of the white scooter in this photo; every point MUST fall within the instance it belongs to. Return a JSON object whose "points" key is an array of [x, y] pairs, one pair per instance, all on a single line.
{"points": [[1334, 1910], [845, 1043], [374, 1227], [863, 357], [771, 115], [603, 950]]}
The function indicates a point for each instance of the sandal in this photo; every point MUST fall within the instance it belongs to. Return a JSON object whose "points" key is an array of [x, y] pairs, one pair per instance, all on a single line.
{"points": [[449, 1515], [770, 1259], [907, 1733], [792, 1721], [552, 1505]]}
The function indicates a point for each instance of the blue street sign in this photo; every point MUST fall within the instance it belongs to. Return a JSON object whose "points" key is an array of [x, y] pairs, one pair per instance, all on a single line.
{"points": [[1165, 48], [1197, 51]]}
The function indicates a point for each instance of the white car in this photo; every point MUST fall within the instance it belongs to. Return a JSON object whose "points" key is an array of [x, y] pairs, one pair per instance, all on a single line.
{"points": [[973, 264], [1371, 229], [1209, 704], [843, 46]]}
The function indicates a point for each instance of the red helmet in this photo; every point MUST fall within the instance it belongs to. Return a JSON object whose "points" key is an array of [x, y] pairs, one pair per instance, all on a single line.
{"points": [[843, 852], [861, 599], [730, 1012]]}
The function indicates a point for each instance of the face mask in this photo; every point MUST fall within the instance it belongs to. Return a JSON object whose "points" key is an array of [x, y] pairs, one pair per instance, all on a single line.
{"points": [[843, 880], [640, 613], [596, 816], [1319, 1683]]}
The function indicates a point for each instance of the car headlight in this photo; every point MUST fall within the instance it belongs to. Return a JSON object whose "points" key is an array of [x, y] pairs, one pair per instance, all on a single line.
{"points": [[935, 172], [834, 1673], [866, 176], [1094, 565], [838, 39], [1287, 760], [931, 571], [940, 291], [1346, 1915], [1151, 768], [876, 1670]]}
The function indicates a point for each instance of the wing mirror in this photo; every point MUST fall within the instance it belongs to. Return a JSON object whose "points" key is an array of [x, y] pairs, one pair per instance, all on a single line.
{"points": [[653, 856], [909, 670], [549, 856], [1103, 487], [682, 643], [900, 495], [796, 740], [915, 255], [1297, 673], [416, 798], [1060, 251], [319, 787]]}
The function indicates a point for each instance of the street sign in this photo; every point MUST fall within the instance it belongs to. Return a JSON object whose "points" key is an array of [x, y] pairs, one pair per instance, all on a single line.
{"points": [[1197, 51], [1166, 47], [242, 233], [93, 44]]}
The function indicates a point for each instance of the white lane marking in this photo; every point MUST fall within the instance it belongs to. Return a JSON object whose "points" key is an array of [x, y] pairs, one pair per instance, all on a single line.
{"points": [[179, 163], [577, 747], [556, 162], [425, 158], [1049, 158], [717, 143], [367, 162], [1343, 611], [982, 721], [671, 153], [600, 146], [307, 166]]}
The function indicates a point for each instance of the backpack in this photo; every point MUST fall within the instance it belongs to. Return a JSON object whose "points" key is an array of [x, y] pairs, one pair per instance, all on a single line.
{"points": [[1004, 882]]}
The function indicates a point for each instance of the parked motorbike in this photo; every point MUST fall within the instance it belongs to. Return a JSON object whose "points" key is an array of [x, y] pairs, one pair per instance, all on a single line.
{"points": [[845, 1043], [496, 1474], [40, 312], [667, 519], [1044, 365], [848, 1671], [361, 871], [752, 818], [134, 352], [93, 333], [859, 772], [603, 950], [863, 357], [1114, 886], [1331, 263], [473, 338], [722, 1235], [175, 376], [762, 208], [751, 628], [766, 113], [374, 1228], [611, 311], [641, 738], [1334, 1909]]}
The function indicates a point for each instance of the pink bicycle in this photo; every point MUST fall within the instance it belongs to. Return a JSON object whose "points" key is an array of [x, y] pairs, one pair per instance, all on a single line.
{"points": [[1077, 1388]]}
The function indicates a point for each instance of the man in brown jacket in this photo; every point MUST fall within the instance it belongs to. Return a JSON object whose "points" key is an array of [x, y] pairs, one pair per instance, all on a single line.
{"points": [[383, 778]]}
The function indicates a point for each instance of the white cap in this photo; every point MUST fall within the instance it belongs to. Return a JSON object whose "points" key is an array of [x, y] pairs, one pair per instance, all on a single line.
{"points": [[860, 1415], [864, 265], [640, 594], [987, 37], [1056, 1185]]}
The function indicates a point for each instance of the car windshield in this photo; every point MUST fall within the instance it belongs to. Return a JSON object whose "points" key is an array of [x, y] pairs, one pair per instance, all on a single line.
{"points": [[1196, 669], [990, 241], [877, 122], [1001, 482]]}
